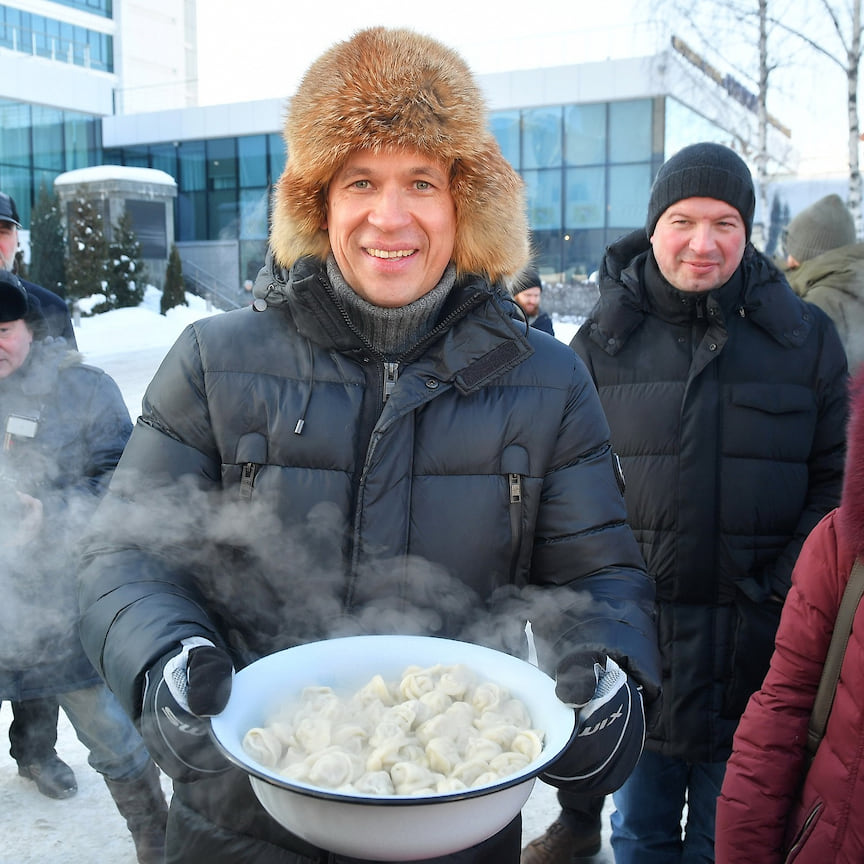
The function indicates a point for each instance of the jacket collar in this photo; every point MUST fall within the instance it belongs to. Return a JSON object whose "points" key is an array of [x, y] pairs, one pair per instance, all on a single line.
{"points": [[764, 296], [464, 349]]}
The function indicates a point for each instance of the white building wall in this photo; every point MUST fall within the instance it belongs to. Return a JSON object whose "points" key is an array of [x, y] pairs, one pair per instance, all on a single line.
{"points": [[156, 55]]}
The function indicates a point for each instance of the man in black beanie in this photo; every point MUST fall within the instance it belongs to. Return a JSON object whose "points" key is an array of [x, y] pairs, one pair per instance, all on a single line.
{"points": [[527, 291], [726, 397]]}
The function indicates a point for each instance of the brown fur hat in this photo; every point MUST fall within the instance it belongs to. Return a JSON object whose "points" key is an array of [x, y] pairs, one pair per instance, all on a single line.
{"points": [[387, 89]]}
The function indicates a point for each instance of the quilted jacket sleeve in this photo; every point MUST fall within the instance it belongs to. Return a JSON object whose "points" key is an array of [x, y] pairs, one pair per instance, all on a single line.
{"points": [[764, 771]]}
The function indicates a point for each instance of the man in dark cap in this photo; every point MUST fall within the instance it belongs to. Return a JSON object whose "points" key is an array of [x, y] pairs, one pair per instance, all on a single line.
{"points": [[64, 426], [726, 396], [54, 308], [526, 292], [33, 731]]}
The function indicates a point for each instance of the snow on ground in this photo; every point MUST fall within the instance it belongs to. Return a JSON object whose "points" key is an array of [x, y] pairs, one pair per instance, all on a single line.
{"points": [[129, 344]]}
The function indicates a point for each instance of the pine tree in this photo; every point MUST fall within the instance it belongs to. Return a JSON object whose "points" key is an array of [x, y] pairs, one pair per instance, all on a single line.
{"points": [[173, 293], [86, 264], [47, 243], [125, 268]]}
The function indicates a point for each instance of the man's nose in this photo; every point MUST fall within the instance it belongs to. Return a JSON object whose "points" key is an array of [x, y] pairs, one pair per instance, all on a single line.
{"points": [[703, 239], [389, 210]]}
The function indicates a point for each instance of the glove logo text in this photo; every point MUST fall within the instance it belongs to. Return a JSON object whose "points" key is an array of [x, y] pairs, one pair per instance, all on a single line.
{"points": [[606, 721]]}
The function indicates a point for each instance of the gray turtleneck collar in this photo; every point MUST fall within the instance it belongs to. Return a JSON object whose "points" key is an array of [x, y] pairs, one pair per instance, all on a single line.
{"points": [[391, 330]]}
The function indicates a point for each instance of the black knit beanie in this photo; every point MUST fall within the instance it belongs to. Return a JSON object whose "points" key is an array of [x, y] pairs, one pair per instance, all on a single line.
{"points": [[703, 170], [528, 278]]}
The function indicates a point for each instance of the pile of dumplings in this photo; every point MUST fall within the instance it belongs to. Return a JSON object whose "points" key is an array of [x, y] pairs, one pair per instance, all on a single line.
{"points": [[436, 730]]}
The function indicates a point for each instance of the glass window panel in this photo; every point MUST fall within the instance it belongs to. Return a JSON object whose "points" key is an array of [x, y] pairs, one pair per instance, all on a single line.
{"points": [[138, 157], [252, 160], [253, 213], [83, 137], [684, 126], [192, 165], [586, 198], [48, 139], [222, 164], [583, 251], [15, 133], [541, 138], [277, 156], [629, 190], [191, 222], [505, 128], [222, 215], [164, 158], [543, 191], [630, 131], [585, 134]]}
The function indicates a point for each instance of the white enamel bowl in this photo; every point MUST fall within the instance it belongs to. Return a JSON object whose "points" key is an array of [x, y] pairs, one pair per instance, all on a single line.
{"points": [[386, 828]]}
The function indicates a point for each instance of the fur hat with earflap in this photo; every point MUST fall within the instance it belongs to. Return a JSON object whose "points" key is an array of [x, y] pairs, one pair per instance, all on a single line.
{"points": [[384, 90]]}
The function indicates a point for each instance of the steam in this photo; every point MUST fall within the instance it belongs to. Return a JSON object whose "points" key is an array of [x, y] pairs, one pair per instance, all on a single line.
{"points": [[37, 574], [270, 586]]}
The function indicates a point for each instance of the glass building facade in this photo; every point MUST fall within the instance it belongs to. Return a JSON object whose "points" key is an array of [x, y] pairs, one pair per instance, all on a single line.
{"points": [[41, 36], [223, 188], [587, 168], [37, 143]]}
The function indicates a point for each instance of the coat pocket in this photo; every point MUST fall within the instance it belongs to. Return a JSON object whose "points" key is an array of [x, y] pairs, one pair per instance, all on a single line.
{"points": [[753, 630], [801, 835]]}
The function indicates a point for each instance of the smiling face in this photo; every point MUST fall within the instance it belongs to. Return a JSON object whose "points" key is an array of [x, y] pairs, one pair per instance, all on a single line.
{"points": [[15, 341], [699, 243], [392, 225]]}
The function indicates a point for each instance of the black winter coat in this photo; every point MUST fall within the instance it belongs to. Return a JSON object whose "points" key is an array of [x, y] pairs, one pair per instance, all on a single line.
{"points": [[728, 412], [367, 516], [81, 429]]}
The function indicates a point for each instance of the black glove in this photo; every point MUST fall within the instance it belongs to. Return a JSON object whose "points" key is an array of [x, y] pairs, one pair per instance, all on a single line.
{"points": [[576, 678], [179, 691], [607, 741]]}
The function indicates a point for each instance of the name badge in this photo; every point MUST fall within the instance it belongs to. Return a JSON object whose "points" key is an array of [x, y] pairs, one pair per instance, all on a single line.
{"points": [[21, 427]]}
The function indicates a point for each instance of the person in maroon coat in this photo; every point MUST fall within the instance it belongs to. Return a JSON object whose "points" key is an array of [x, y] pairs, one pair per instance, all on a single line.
{"points": [[764, 814]]}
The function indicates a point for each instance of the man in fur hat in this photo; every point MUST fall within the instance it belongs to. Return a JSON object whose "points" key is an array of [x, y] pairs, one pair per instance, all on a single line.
{"points": [[726, 395], [376, 445]]}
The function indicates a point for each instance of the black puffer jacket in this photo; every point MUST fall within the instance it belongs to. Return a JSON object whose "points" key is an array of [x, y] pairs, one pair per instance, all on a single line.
{"points": [[81, 427], [728, 412], [372, 517]]}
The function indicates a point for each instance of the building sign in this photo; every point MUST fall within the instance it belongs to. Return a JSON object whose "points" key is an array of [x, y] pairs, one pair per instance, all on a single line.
{"points": [[731, 85]]}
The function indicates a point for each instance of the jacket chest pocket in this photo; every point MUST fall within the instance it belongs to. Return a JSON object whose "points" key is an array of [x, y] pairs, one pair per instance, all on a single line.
{"points": [[775, 419]]}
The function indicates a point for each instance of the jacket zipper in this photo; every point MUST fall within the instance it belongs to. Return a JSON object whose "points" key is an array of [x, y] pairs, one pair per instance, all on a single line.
{"points": [[247, 480], [391, 375], [803, 833], [515, 485]]}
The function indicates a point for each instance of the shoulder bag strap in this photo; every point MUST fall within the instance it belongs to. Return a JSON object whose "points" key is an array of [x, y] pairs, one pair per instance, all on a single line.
{"points": [[834, 659]]}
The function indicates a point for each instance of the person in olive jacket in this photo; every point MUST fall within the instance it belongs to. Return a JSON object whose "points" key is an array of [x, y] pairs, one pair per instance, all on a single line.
{"points": [[726, 395], [377, 444], [825, 265]]}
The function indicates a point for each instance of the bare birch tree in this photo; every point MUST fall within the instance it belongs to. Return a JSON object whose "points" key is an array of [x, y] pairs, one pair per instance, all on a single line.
{"points": [[788, 34]]}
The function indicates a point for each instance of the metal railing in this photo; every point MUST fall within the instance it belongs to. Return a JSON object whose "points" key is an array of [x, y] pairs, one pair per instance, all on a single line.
{"points": [[203, 283]]}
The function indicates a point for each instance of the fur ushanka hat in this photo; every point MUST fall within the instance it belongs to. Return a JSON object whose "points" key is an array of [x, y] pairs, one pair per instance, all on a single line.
{"points": [[389, 89]]}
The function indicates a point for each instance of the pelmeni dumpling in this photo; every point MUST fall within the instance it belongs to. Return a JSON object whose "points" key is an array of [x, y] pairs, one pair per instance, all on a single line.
{"points": [[435, 731]]}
